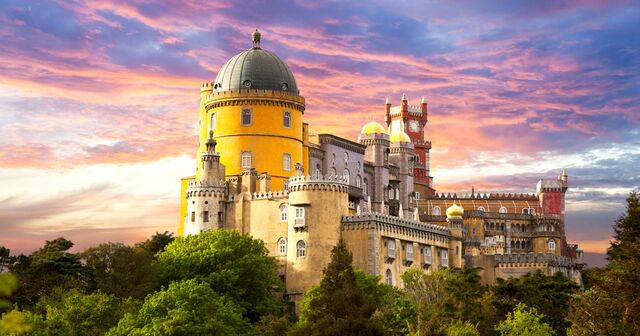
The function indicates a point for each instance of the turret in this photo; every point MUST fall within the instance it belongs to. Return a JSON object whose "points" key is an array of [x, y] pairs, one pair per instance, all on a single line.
{"points": [[387, 108], [405, 107], [423, 108], [454, 220]]}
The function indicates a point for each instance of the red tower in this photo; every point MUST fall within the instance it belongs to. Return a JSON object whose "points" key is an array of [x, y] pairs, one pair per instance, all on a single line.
{"points": [[413, 120]]}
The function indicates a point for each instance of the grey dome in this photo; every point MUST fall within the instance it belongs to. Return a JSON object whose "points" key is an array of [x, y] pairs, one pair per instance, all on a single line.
{"points": [[255, 69]]}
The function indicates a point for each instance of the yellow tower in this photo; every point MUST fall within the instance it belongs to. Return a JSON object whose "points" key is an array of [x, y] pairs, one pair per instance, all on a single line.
{"points": [[255, 112]]}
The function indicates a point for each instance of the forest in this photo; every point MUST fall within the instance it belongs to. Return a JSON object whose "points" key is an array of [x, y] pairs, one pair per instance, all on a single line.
{"points": [[224, 283]]}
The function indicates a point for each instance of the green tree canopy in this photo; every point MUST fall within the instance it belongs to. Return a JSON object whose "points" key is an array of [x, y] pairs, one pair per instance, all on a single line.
{"points": [[122, 270], [338, 306], [235, 265], [157, 242], [187, 307], [524, 322]]}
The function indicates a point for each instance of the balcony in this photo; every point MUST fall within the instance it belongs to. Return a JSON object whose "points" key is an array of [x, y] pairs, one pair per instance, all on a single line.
{"points": [[299, 223], [355, 192]]}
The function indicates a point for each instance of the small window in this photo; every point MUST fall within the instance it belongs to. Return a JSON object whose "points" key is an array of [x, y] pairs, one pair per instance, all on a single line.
{"points": [[427, 254], [286, 119], [299, 213], [503, 210], [444, 258], [388, 277], [286, 184], [346, 175], [246, 160], [346, 156], [193, 216], [213, 121], [481, 209], [301, 249], [282, 247], [552, 244], [205, 216], [532, 211], [409, 250], [364, 186], [283, 212], [391, 248], [436, 211], [416, 195], [246, 117], [318, 172], [333, 171], [525, 211], [358, 181], [286, 162]]}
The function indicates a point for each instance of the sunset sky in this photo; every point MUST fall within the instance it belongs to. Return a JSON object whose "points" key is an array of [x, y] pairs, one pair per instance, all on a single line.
{"points": [[99, 99]]}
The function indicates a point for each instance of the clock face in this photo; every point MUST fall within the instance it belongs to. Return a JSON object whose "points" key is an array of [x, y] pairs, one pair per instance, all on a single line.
{"points": [[414, 126]]}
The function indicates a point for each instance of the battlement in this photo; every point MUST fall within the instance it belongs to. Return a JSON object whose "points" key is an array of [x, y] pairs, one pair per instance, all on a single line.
{"points": [[395, 221], [485, 196], [253, 94], [204, 184], [271, 194], [327, 182], [519, 260], [206, 86]]}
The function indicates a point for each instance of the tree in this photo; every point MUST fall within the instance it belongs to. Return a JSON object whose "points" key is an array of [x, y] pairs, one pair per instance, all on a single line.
{"points": [[122, 270], [6, 260], [49, 267], [612, 305], [186, 307], [157, 242], [460, 328], [233, 264], [338, 306], [550, 295], [524, 322], [428, 292], [12, 322]]}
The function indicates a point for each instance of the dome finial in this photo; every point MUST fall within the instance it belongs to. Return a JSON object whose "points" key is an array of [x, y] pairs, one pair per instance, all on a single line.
{"points": [[404, 97], [255, 39]]}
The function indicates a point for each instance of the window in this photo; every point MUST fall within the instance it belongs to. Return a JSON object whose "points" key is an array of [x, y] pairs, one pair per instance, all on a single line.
{"points": [[286, 161], [213, 121], [318, 172], [286, 184], [205, 216], [358, 181], [346, 156], [286, 119], [427, 254], [301, 249], [299, 212], [246, 117], [193, 216], [388, 277], [409, 250], [333, 171], [503, 210], [416, 195], [480, 208], [525, 211], [283, 212], [364, 186], [391, 248], [282, 246], [345, 175], [552, 244], [444, 258], [532, 211], [246, 160], [436, 211]]}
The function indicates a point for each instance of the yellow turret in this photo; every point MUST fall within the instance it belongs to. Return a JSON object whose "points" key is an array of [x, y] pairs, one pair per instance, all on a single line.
{"points": [[455, 211]]}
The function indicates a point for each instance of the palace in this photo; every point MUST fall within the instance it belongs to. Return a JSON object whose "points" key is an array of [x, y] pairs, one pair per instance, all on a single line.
{"points": [[262, 172]]}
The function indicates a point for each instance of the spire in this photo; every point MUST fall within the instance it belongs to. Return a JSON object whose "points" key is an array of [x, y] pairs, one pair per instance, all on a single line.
{"points": [[424, 101], [387, 101], [404, 97], [255, 39]]}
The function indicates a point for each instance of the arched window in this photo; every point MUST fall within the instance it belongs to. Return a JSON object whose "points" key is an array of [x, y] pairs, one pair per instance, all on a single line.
{"points": [[532, 211], [436, 211], [286, 162], [286, 184], [346, 156], [301, 249], [364, 186], [525, 211], [480, 208], [286, 119], [246, 117], [283, 212], [245, 160], [552, 244], [318, 172], [333, 171], [358, 181], [388, 277], [213, 121], [282, 246], [345, 175], [503, 210]]}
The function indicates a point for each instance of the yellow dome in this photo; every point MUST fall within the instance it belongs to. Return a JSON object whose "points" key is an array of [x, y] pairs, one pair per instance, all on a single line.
{"points": [[399, 136], [455, 211], [372, 128]]}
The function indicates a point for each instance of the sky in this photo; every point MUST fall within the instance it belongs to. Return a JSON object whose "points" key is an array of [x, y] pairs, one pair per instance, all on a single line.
{"points": [[99, 99]]}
